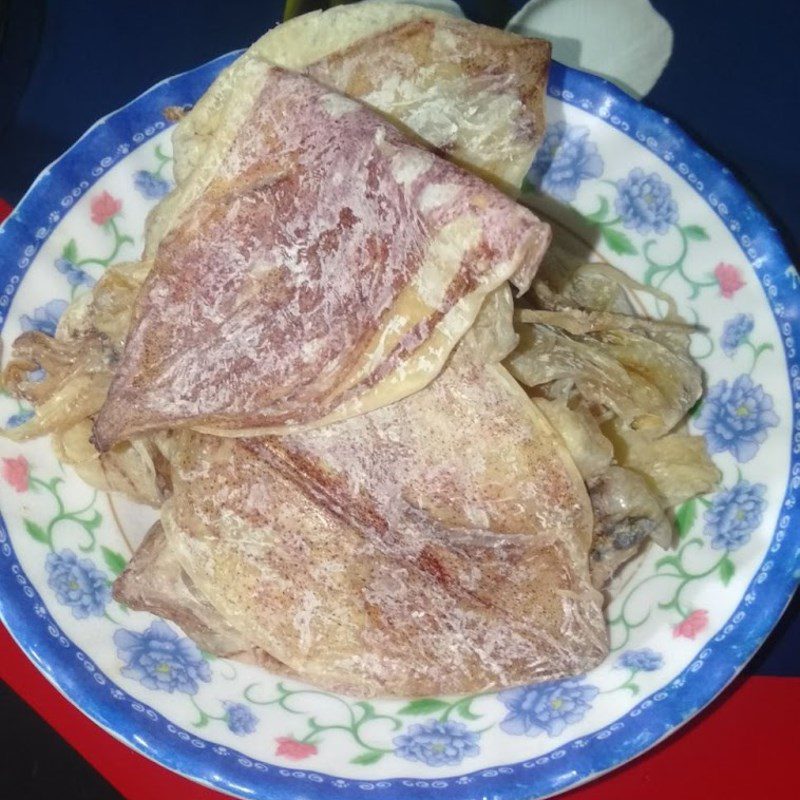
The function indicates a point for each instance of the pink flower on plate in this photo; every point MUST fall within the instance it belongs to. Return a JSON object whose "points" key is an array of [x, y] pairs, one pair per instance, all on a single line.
{"points": [[692, 625], [291, 748], [729, 279], [16, 472], [104, 206]]}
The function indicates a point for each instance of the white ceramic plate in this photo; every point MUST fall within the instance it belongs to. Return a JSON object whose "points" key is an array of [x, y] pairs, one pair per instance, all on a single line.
{"points": [[682, 624]]}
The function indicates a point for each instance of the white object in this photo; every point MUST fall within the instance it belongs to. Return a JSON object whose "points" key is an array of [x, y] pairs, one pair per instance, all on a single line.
{"points": [[626, 41]]}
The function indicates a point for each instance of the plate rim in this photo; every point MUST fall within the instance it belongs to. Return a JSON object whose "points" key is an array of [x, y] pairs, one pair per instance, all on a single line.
{"points": [[46, 646]]}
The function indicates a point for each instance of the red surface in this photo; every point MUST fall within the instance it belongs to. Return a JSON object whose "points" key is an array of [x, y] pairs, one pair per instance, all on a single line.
{"points": [[739, 747], [744, 745]]}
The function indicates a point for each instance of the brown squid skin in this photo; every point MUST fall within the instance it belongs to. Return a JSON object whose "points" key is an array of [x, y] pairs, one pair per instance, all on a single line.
{"points": [[398, 552], [442, 68], [304, 276], [154, 581]]}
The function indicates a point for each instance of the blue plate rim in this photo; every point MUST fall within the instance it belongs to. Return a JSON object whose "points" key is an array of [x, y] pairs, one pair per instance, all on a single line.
{"points": [[149, 733]]}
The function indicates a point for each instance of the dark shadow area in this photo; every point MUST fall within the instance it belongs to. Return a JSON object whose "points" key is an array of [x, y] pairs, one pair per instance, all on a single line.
{"points": [[732, 85], [489, 12], [20, 35], [38, 764], [35, 145], [92, 59]]}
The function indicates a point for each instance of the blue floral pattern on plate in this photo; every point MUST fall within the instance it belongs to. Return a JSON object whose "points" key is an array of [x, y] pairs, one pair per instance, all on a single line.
{"points": [[45, 318], [151, 185], [161, 659], [78, 583], [240, 719], [437, 743], [565, 159], [735, 333], [73, 273], [734, 514], [20, 418], [645, 203], [546, 707], [642, 660], [735, 417]]}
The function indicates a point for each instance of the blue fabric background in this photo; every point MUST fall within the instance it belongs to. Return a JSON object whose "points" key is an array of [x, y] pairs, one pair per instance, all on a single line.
{"points": [[733, 83]]}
